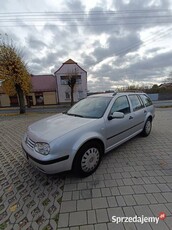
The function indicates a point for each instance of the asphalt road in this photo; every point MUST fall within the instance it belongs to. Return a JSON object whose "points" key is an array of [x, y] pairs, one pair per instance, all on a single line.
{"points": [[40, 109], [62, 108], [162, 103]]}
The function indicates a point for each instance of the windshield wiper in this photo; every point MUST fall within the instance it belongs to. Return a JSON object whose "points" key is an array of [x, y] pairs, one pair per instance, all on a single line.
{"points": [[75, 115]]}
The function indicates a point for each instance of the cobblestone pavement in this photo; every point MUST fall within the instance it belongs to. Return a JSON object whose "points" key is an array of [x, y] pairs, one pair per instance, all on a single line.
{"points": [[28, 198], [134, 179]]}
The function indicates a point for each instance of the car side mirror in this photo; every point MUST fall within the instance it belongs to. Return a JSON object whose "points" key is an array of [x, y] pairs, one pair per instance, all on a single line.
{"points": [[117, 115]]}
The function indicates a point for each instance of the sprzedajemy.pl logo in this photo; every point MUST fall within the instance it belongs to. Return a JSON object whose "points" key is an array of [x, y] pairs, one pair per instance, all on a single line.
{"points": [[138, 219]]}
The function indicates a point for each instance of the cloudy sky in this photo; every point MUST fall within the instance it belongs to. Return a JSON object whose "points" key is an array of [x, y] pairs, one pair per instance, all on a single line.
{"points": [[118, 43]]}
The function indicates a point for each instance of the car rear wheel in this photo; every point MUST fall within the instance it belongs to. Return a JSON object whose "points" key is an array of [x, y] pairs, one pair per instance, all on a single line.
{"points": [[147, 128], [87, 159]]}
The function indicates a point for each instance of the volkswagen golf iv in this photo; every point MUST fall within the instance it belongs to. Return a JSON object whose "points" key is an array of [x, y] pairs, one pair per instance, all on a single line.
{"points": [[77, 139]]}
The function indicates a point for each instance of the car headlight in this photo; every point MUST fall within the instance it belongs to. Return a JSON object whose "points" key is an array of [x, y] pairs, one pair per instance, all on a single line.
{"points": [[42, 148]]}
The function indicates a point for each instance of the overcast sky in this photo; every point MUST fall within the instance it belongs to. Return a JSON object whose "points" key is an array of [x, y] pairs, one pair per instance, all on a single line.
{"points": [[118, 43]]}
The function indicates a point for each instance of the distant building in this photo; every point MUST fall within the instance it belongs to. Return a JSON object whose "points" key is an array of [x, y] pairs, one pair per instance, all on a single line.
{"points": [[166, 85], [52, 89], [43, 90], [67, 69]]}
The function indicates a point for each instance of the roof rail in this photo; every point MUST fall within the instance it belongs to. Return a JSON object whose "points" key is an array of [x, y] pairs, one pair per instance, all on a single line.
{"points": [[131, 91], [115, 93]]}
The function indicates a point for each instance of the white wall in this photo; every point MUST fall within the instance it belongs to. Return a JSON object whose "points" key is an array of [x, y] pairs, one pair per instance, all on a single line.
{"points": [[62, 89]]}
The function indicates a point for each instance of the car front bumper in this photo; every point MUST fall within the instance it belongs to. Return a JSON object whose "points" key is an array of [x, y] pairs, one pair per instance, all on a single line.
{"points": [[57, 165]]}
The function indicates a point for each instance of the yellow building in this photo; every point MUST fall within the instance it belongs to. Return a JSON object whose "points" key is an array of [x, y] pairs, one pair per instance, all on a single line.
{"points": [[43, 92]]}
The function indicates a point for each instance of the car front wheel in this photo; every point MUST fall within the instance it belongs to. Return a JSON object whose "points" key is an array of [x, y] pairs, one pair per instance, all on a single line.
{"points": [[147, 128], [87, 159]]}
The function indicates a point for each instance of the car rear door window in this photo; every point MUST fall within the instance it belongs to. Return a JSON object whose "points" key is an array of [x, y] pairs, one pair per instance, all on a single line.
{"points": [[146, 100], [121, 104], [135, 102]]}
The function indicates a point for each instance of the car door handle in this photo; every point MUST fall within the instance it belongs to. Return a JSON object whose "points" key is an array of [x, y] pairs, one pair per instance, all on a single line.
{"points": [[130, 117]]}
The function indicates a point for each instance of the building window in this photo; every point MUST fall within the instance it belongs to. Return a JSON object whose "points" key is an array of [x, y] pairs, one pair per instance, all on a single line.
{"points": [[64, 79], [67, 95], [39, 98], [80, 95], [29, 100], [78, 79]]}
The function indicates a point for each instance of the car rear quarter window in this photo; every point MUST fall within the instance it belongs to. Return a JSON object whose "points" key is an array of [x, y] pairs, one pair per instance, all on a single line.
{"points": [[121, 104], [146, 100], [135, 102]]}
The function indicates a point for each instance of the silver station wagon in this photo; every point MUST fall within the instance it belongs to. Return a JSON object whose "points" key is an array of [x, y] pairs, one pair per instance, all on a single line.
{"points": [[77, 139]]}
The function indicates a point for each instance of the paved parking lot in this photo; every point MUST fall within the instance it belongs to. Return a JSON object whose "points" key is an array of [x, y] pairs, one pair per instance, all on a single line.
{"points": [[135, 179]]}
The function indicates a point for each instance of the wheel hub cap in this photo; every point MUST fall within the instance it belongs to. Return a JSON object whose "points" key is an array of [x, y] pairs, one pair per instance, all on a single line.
{"points": [[90, 159], [148, 127]]}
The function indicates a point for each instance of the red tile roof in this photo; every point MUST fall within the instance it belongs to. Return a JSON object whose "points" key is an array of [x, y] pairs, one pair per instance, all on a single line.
{"points": [[42, 83], [70, 61]]}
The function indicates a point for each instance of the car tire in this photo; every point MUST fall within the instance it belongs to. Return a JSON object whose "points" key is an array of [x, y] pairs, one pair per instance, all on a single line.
{"points": [[87, 159], [147, 128]]}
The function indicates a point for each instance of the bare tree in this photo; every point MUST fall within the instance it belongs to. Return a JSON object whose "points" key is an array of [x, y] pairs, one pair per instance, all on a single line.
{"points": [[72, 76]]}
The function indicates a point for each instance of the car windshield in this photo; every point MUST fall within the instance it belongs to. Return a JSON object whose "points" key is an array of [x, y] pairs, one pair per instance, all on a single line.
{"points": [[91, 107]]}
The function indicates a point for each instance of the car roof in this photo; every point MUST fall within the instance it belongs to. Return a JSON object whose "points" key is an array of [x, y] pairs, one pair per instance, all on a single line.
{"points": [[115, 93]]}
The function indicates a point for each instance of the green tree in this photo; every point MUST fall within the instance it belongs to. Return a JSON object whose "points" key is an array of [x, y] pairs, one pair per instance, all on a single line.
{"points": [[13, 72], [155, 89]]}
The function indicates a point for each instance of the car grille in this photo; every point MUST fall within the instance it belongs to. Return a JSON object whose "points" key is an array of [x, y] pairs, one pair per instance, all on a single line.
{"points": [[30, 143]]}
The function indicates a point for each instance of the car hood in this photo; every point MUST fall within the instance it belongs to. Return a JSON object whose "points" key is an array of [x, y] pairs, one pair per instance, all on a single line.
{"points": [[56, 126]]}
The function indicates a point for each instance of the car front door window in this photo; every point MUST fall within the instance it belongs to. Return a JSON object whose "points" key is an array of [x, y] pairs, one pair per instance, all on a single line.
{"points": [[121, 104]]}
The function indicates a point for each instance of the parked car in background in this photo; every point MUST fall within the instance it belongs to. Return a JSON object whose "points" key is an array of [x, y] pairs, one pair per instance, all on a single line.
{"points": [[77, 140]]}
